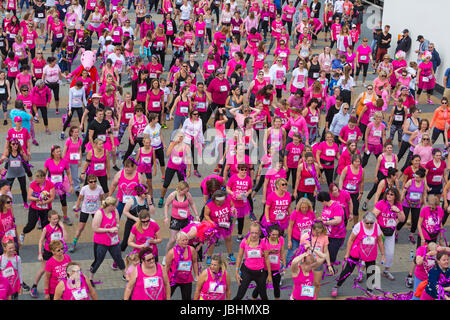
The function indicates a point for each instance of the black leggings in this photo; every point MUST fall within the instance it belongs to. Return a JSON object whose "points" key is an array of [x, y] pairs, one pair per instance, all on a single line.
{"points": [[248, 275], [364, 66], [33, 216], [194, 160], [415, 212], [126, 233], [292, 171], [54, 86], [44, 114], [366, 157], [334, 244], [262, 177], [372, 192], [349, 267], [23, 186], [328, 174], [159, 154], [132, 146], [307, 195], [355, 201], [79, 111], [276, 281], [186, 290], [169, 176], [404, 147]]}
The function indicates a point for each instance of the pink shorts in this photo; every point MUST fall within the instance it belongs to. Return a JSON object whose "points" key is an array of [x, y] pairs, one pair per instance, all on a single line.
{"points": [[375, 149]]}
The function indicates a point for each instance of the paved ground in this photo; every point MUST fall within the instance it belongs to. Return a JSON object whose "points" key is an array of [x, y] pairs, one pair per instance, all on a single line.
{"points": [[112, 286]]}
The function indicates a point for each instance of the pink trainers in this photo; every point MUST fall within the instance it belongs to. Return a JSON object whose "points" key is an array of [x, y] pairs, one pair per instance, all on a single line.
{"points": [[334, 292], [26, 206], [430, 101]]}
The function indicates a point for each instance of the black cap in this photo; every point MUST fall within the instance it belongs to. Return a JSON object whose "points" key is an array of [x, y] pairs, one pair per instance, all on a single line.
{"points": [[419, 38], [406, 31]]}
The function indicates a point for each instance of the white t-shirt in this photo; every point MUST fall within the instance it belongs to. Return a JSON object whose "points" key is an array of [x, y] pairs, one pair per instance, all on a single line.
{"points": [[274, 72], [185, 12], [166, 91], [91, 200], [117, 61], [77, 98], [412, 72], [297, 76], [350, 83], [154, 133]]}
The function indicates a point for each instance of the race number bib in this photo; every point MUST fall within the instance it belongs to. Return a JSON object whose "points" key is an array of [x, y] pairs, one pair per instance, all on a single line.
{"points": [[182, 213], [254, 253], [307, 291], [56, 178], [80, 294], [151, 282], [368, 241], [184, 265], [74, 156], [310, 182], [99, 166]]}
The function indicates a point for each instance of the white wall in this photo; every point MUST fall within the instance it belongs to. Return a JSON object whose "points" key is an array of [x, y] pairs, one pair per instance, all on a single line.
{"points": [[428, 18]]}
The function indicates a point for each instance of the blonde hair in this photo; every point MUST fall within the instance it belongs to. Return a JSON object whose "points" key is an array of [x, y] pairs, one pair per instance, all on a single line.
{"points": [[378, 114], [109, 201], [253, 224], [142, 214], [182, 185], [304, 201], [130, 258], [181, 234], [55, 244]]}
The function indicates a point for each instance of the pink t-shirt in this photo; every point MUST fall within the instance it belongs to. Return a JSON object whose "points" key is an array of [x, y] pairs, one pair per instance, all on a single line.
{"points": [[302, 223], [13, 66], [23, 79], [239, 186], [273, 175], [72, 154], [364, 54], [343, 199], [387, 218], [278, 207], [422, 270], [200, 29], [147, 234], [254, 257], [22, 135], [57, 271], [348, 134], [294, 154], [375, 134], [56, 170], [431, 221], [328, 214], [5, 288], [29, 38], [328, 153]]}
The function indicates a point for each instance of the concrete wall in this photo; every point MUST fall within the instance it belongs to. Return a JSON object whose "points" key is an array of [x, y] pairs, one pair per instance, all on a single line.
{"points": [[428, 18]]}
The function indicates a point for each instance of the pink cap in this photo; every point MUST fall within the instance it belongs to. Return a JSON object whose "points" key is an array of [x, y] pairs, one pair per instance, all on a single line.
{"points": [[17, 118]]}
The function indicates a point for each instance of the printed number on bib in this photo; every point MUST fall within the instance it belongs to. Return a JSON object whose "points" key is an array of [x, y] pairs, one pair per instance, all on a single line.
{"points": [[184, 265], [8, 272], [80, 294], [368, 241], [213, 287], [56, 178], [182, 213], [99, 166], [74, 156], [151, 282], [307, 291], [310, 182], [273, 258], [56, 236], [254, 253]]}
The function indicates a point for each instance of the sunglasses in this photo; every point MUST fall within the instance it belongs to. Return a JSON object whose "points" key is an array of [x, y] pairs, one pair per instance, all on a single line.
{"points": [[426, 139], [369, 223], [8, 202], [444, 102], [283, 184], [242, 169], [369, 88], [24, 90], [346, 108], [59, 249], [195, 114], [93, 181], [14, 144], [145, 221]]}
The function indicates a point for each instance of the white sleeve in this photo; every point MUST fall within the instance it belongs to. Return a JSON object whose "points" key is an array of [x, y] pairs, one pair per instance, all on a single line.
{"points": [[70, 98], [356, 229]]}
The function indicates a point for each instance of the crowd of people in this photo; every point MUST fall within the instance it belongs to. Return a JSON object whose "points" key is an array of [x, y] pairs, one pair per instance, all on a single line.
{"points": [[220, 69]]}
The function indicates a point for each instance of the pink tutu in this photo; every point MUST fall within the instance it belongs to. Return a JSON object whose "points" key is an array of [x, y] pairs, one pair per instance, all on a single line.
{"points": [[428, 84], [251, 50], [223, 232], [375, 149], [62, 188], [244, 211]]}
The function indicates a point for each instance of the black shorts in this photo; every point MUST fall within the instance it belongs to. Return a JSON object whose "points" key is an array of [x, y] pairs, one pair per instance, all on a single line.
{"points": [[159, 154], [178, 224], [148, 175], [84, 217], [46, 255], [139, 20], [435, 188]]}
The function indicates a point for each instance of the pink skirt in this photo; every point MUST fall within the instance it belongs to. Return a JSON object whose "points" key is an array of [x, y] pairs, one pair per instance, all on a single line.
{"points": [[426, 85], [223, 233], [244, 211], [375, 149], [251, 51]]}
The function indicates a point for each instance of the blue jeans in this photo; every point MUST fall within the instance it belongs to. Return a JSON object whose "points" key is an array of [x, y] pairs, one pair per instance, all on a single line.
{"points": [[177, 122], [417, 281], [290, 253], [27, 3]]}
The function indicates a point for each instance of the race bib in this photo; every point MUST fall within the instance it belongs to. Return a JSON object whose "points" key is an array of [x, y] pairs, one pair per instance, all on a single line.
{"points": [[59, 35], [213, 287], [201, 106], [308, 291], [283, 54], [13, 69], [102, 137], [10, 233], [377, 133], [15, 163], [151, 282], [280, 215], [176, 160], [316, 74], [210, 67], [330, 152], [91, 207], [56, 236], [56, 178], [398, 117], [146, 159], [182, 213], [223, 88], [40, 15], [310, 182], [391, 223], [99, 166], [74, 156], [116, 33], [425, 79], [152, 75], [115, 239], [388, 165], [254, 253], [273, 258], [38, 71], [437, 179], [184, 265], [8, 272], [128, 115], [142, 88], [156, 104], [315, 119], [352, 136], [184, 109], [296, 158], [126, 198], [363, 58], [350, 187], [415, 195], [225, 225], [80, 294], [29, 41], [368, 241]]}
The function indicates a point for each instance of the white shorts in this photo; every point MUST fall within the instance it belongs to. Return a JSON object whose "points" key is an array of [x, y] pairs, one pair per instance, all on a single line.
{"points": [[39, 20]]}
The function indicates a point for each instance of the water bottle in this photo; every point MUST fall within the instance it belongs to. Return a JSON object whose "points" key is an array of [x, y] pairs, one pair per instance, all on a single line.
{"points": [[244, 198], [411, 255]]}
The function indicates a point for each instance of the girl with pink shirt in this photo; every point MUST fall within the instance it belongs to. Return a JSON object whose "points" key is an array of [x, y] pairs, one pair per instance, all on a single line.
{"points": [[180, 215], [75, 285], [278, 206], [11, 267], [214, 282], [303, 276], [256, 260], [239, 187], [374, 139], [149, 281], [55, 268], [20, 50], [37, 65]]}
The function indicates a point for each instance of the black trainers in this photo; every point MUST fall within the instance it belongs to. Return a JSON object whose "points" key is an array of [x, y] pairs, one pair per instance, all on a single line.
{"points": [[5, 122], [364, 206], [25, 287], [116, 168], [409, 281]]}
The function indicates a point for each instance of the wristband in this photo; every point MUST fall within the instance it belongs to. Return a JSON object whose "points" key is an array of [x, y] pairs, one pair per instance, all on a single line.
{"points": [[46, 291]]}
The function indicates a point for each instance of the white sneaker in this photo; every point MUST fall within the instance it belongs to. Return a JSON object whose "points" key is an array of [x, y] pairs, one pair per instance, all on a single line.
{"points": [[163, 261]]}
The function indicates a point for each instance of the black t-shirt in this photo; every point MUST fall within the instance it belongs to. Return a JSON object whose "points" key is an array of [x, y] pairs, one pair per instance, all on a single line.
{"points": [[193, 69], [62, 10], [384, 37], [102, 128], [237, 79], [92, 110], [39, 11], [331, 113]]}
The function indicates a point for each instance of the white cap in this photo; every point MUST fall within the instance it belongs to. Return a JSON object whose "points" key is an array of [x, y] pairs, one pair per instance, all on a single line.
{"points": [[109, 38]]}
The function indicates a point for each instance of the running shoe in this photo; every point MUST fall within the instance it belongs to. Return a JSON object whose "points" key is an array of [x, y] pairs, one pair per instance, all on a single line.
{"points": [[334, 292], [208, 260], [35, 143], [164, 126], [5, 122], [26, 206], [36, 119], [22, 238], [72, 248], [67, 221], [409, 281], [239, 238], [197, 174], [167, 117], [252, 216], [124, 278], [164, 261], [25, 287], [231, 258], [160, 203], [34, 292], [116, 168], [364, 206], [412, 239], [114, 266], [430, 101], [162, 178], [62, 136], [57, 111], [388, 275], [47, 131], [216, 170], [39, 225]]}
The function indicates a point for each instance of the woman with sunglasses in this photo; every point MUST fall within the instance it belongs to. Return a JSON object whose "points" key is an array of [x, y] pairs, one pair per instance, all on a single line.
{"points": [[90, 197], [144, 234], [440, 120], [136, 128], [366, 115], [389, 212], [15, 167], [149, 281], [193, 137], [410, 126], [277, 207], [74, 286], [365, 240], [436, 172], [363, 58], [327, 152], [55, 268]]}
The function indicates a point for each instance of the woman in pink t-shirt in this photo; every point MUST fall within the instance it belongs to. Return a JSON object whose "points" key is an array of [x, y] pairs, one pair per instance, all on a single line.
{"points": [[375, 138], [55, 268], [278, 206]]}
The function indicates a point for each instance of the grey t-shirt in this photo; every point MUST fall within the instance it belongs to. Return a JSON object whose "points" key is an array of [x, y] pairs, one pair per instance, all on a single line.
{"points": [[15, 167]]}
